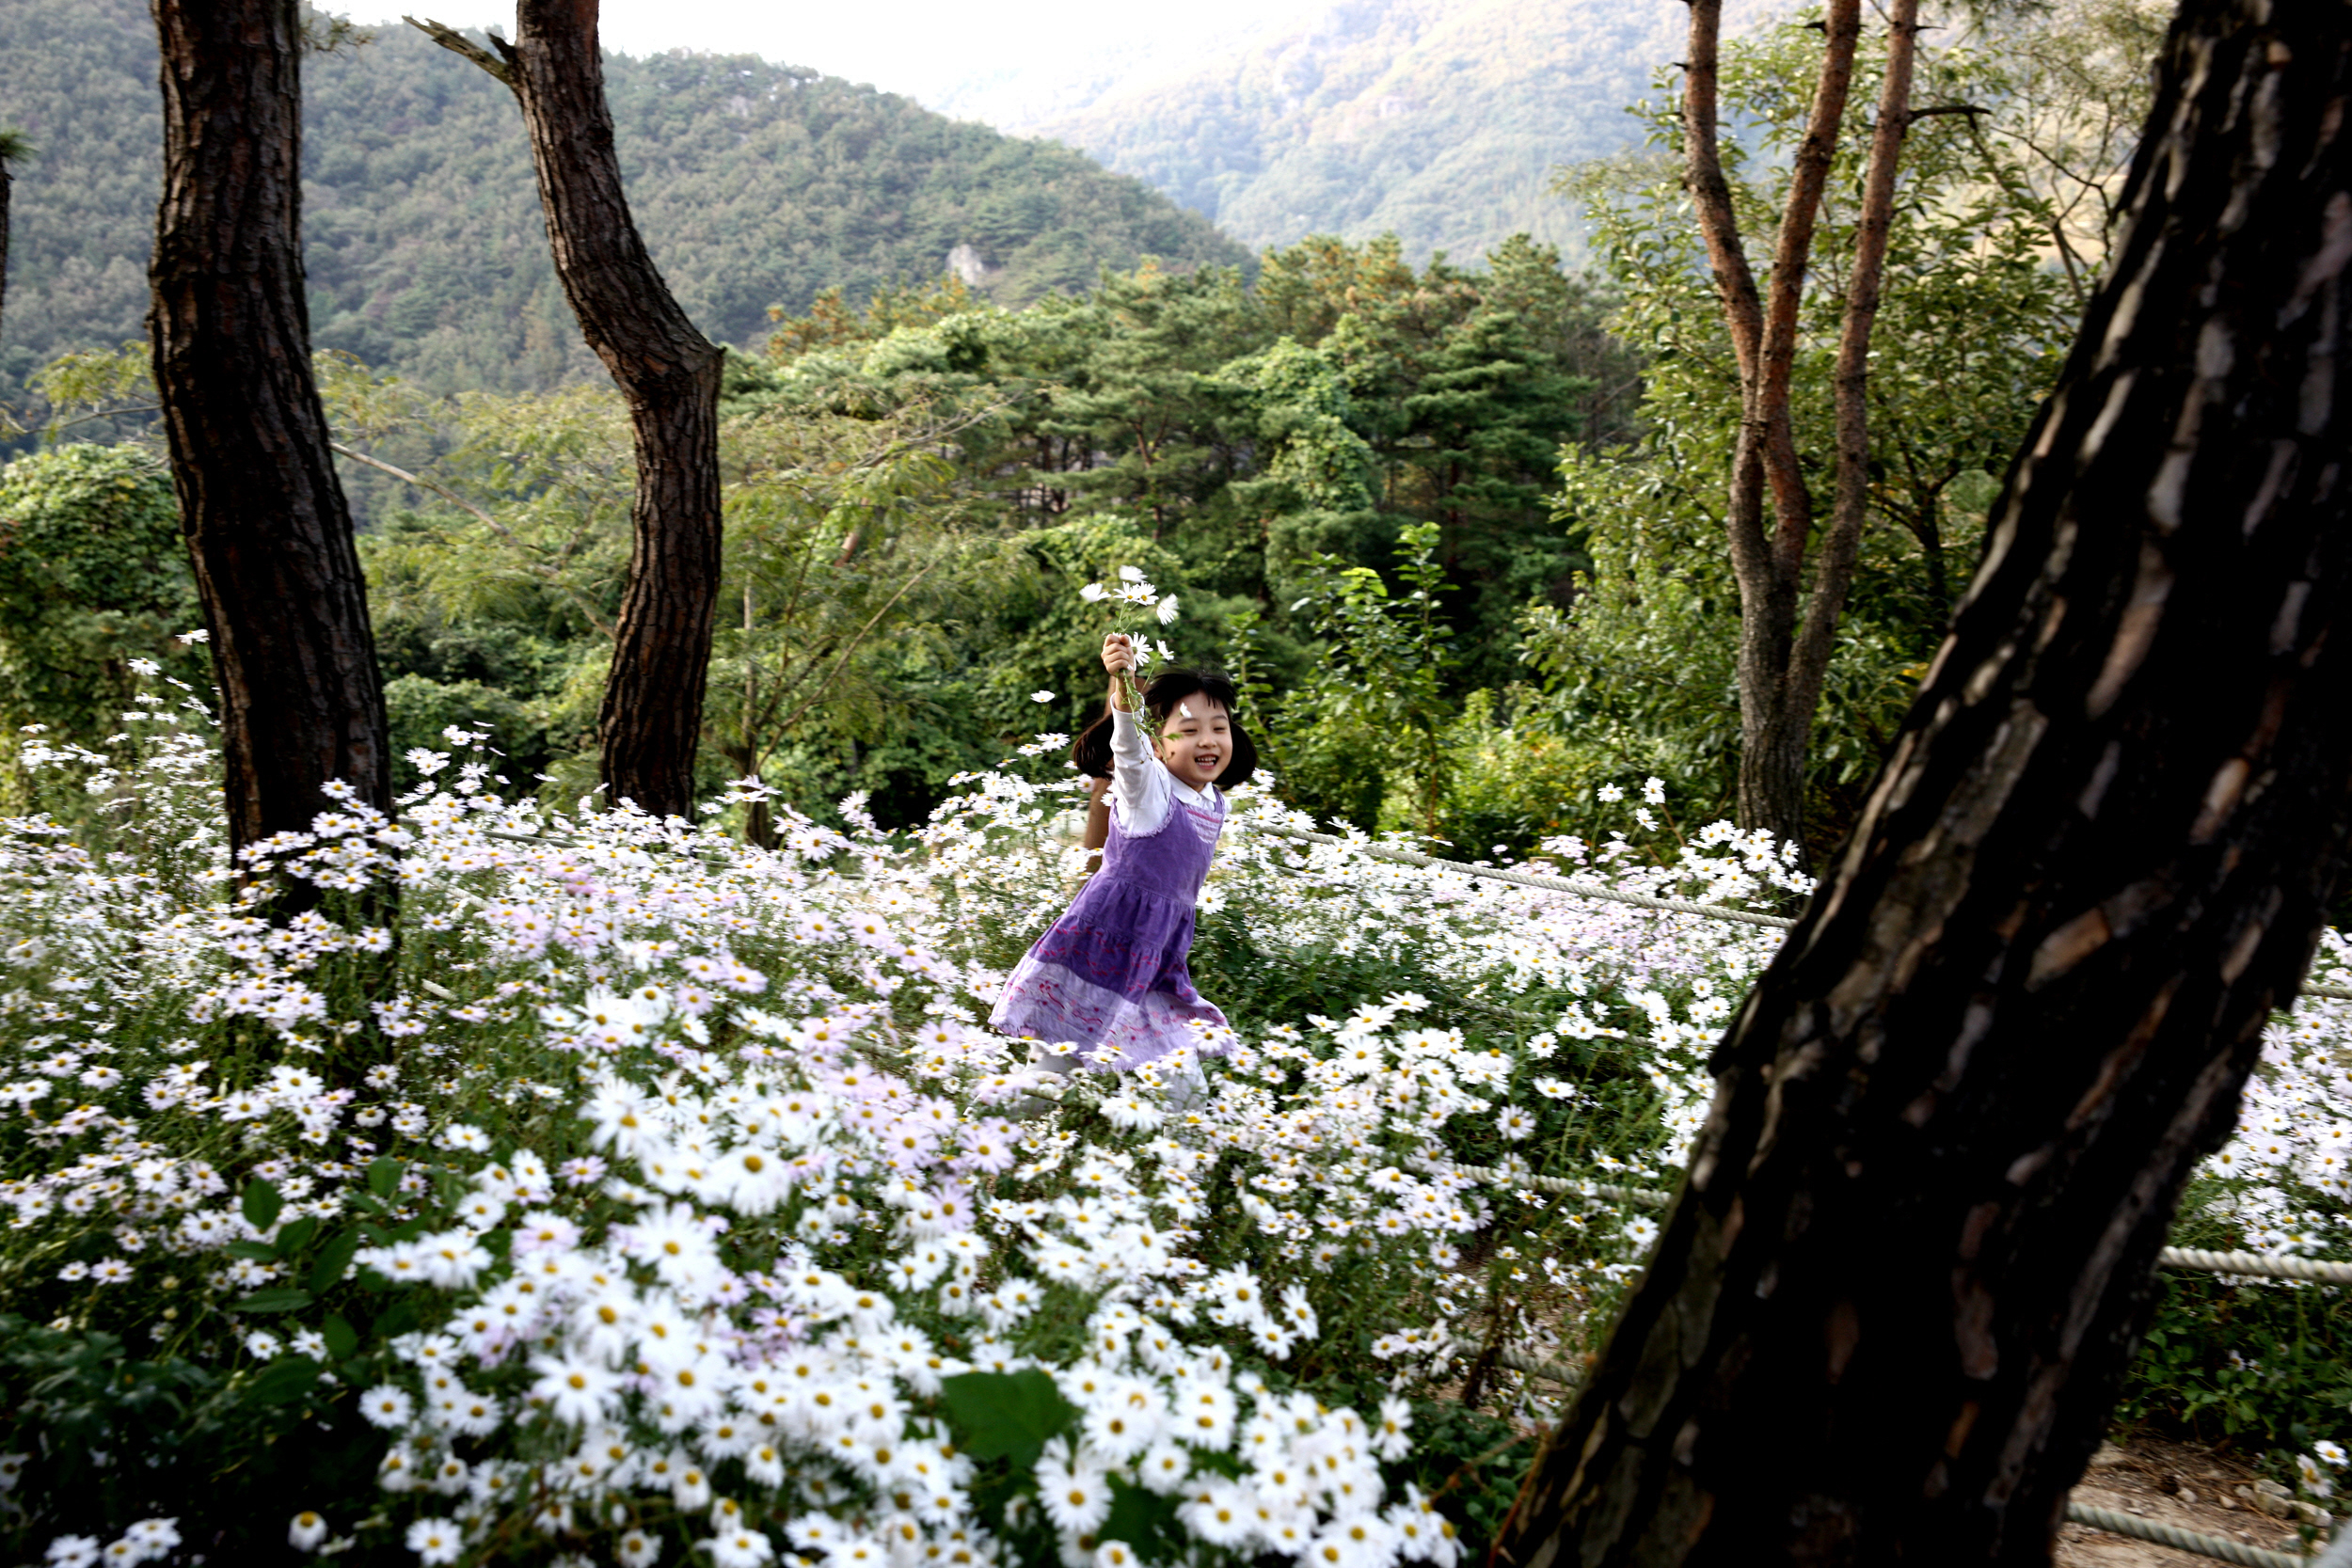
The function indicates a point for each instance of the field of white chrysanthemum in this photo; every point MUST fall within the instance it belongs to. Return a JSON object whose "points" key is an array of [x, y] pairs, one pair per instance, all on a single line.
{"points": [[684, 1209]]}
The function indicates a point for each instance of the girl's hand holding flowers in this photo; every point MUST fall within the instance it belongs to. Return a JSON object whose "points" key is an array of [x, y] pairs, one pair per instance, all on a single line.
{"points": [[1119, 659]]}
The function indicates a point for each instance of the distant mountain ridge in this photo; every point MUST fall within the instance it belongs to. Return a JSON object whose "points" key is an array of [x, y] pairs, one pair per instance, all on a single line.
{"points": [[754, 184], [1444, 120]]}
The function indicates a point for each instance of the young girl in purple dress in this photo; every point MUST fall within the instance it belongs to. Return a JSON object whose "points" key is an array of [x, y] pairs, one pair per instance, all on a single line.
{"points": [[1108, 986]]}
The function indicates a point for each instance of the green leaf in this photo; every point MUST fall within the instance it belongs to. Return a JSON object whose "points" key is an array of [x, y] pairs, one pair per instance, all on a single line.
{"points": [[297, 1235], [1144, 1520], [328, 1271], [260, 1252], [1006, 1415], [280, 1300], [342, 1341], [284, 1380], [261, 1204], [384, 1176]]}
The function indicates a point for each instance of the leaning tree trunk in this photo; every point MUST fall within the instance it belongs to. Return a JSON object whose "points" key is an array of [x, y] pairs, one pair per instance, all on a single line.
{"points": [[268, 531], [1894, 1301], [667, 371]]}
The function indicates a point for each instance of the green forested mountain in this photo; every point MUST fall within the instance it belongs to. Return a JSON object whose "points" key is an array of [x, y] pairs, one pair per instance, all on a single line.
{"points": [[756, 185], [1444, 120]]}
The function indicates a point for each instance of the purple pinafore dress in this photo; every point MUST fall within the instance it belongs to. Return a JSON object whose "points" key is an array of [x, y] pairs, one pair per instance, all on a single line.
{"points": [[1108, 982]]}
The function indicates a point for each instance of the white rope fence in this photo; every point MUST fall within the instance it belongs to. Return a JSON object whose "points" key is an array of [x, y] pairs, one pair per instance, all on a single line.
{"points": [[2244, 1263], [2161, 1534]]}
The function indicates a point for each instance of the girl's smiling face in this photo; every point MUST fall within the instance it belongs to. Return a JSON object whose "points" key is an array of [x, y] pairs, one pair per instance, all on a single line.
{"points": [[1197, 741]]}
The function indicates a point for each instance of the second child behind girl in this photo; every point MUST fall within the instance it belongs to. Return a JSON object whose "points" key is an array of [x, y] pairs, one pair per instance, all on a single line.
{"points": [[1108, 985]]}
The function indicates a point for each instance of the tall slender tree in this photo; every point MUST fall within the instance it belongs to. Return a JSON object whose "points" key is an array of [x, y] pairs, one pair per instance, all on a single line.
{"points": [[1894, 1301], [1769, 513], [14, 148], [267, 526], [1792, 586], [667, 371]]}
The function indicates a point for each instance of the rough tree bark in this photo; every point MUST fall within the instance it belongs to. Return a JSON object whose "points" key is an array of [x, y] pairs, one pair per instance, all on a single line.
{"points": [[1892, 1304], [12, 146], [268, 529], [669, 373]]}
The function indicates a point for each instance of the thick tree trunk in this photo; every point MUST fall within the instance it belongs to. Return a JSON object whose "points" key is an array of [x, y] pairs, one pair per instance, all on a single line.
{"points": [[667, 371], [1892, 1303], [268, 529]]}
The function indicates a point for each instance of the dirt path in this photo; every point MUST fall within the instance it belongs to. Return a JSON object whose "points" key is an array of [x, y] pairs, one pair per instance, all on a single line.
{"points": [[2173, 1483]]}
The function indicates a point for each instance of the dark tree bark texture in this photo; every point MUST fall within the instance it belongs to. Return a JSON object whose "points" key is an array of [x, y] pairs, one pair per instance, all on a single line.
{"points": [[267, 527], [6, 180], [1892, 1303], [668, 372]]}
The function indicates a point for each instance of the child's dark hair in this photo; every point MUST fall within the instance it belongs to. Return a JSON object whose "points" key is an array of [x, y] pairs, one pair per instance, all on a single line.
{"points": [[1092, 753]]}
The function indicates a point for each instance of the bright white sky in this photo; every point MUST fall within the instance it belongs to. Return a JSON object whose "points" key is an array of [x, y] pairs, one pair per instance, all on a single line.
{"points": [[925, 48]]}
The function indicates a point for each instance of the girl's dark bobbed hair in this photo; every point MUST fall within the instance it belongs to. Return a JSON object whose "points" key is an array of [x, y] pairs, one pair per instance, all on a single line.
{"points": [[1092, 753]]}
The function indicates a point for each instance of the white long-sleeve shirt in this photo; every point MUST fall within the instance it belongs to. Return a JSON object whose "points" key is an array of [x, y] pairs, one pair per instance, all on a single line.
{"points": [[1142, 788]]}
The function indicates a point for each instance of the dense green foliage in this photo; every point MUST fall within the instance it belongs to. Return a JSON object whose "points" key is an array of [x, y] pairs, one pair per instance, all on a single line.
{"points": [[917, 491], [1440, 120], [92, 575], [754, 184], [1267, 448], [132, 1434]]}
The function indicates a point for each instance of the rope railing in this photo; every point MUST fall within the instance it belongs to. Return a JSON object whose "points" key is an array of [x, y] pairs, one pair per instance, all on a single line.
{"points": [[1536, 1366], [2158, 1533], [2186, 1259], [2255, 1264]]}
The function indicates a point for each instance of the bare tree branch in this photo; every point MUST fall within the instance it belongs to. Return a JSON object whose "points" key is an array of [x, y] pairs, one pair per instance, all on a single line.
{"points": [[458, 43]]}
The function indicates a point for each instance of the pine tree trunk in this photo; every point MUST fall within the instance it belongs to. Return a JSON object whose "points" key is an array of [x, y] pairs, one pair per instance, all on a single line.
{"points": [[669, 373], [268, 529], [1893, 1304], [6, 180]]}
